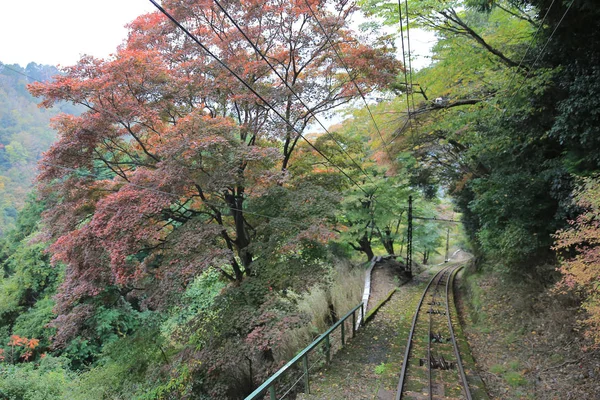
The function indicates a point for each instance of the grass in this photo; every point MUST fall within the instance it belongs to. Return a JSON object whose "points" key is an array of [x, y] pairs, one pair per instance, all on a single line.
{"points": [[491, 313], [347, 288], [344, 292], [511, 338], [497, 369], [382, 368], [514, 378], [557, 358]]}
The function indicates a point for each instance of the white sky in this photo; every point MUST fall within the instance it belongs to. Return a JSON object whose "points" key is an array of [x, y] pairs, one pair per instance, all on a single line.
{"points": [[60, 31]]}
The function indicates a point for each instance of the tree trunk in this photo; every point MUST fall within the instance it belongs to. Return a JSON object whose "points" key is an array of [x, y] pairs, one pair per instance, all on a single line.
{"points": [[365, 247], [425, 257], [242, 239], [388, 241]]}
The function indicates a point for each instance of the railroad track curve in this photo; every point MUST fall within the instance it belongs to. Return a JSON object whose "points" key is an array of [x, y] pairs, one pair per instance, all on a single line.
{"points": [[432, 367]]}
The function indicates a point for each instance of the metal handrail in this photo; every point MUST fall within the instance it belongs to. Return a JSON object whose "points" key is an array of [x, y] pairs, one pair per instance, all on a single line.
{"points": [[303, 355]]}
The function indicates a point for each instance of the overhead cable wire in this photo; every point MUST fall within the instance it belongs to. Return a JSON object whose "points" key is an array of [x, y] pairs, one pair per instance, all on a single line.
{"points": [[550, 37], [543, 48], [531, 44], [337, 54], [400, 19], [283, 80], [351, 78], [410, 74], [247, 85], [17, 71], [407, 72]]}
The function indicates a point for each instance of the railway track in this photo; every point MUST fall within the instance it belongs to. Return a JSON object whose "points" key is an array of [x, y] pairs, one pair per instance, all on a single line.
{"points": [[432, 367]]}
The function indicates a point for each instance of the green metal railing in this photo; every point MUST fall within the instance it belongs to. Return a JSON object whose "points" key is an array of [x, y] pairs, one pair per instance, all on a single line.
{"points": [[302, 357]]}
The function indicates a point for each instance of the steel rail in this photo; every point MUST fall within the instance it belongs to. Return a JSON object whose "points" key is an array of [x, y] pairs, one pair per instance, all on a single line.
{"points": [[429, 347], [463, 377], [411, 334]]}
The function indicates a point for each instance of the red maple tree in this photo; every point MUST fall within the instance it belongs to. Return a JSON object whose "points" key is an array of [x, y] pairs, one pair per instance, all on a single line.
{"points": [[150, 184]]}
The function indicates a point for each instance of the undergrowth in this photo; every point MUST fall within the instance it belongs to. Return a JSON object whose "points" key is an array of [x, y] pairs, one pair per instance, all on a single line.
{"points": [[526, 338]]}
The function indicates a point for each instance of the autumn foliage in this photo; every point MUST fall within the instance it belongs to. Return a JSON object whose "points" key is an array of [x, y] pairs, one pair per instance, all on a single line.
{"points": [[25, 349], [580, 245], [152, 184]]}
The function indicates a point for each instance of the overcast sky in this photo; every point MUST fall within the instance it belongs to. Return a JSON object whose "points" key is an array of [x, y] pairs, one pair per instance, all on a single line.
{"points": [[60, 31]]}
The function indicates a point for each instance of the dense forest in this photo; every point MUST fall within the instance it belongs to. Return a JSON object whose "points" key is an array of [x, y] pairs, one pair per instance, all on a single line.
{"points": [[191, 227], [24, 134]]}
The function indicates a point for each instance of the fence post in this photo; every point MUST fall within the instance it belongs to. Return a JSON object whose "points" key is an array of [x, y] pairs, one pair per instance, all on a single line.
{"points": [[353, 324], [362, 313], [343, 333], [272, 395], [327, 349], [306, 379]]}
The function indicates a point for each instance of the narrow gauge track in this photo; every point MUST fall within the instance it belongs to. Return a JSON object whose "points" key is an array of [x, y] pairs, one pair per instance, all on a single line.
{"points": [[432, 367]]}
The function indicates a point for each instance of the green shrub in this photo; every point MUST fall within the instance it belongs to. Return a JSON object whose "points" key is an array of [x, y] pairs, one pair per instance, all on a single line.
{"points": [[514, 378], [48, 381]]}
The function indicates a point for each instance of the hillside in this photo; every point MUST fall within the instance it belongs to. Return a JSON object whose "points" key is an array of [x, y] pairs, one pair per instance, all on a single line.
{"points": [[25, 134], [189, 234]]}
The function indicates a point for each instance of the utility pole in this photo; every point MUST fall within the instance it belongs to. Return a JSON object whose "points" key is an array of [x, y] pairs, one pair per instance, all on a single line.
{"points": [[447, 244], [409, 238]]}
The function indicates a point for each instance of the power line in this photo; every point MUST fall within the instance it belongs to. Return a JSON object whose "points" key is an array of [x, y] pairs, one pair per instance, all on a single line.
{"points": [[551, 35], [351, 78], [412, 95], [543, 48], [531, 44], [403, 54], [409, 93], [243, 82], [435, 219], [257, 50]]}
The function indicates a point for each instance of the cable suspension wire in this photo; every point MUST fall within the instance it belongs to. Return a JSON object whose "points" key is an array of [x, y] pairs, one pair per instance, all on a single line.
{"points": [[247, 85], [400, 19], [284, 81], [408, 121], [410, 74], [549, 39], [541, 51], [18, 72], [334, 47], [530, 44]]}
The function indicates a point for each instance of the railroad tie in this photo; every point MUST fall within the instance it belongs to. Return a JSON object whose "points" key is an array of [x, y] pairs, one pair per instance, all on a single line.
{"points": [[437, 338], [438, 363], [436, 312]]}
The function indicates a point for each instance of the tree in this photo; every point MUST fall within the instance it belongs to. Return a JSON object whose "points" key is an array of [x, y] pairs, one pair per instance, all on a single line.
{"points": [[27, 280], [154, 183], [456, 18], [579, 246], [489, 138]]}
